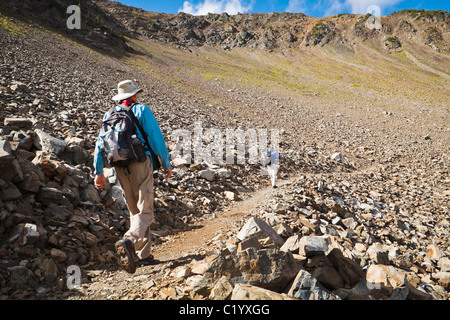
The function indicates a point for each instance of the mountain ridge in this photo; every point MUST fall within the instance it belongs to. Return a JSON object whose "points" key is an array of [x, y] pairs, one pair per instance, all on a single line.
{"points": [[273, 30], [267, 31]]}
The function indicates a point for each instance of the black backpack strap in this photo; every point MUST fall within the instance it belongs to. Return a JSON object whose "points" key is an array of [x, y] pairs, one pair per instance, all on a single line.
{"points": [[155, 159]]}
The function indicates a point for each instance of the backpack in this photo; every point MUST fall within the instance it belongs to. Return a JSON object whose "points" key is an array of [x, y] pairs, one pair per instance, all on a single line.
{"points": [[270, 157], [121, 145]]}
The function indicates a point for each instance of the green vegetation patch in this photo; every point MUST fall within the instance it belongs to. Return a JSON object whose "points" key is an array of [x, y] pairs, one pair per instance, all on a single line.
{"points": [[14, 26], [417, 14], [317, 28]]}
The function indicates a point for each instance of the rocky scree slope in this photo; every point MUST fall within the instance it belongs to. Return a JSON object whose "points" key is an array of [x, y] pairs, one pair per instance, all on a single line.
{"points": [[335, 227]]}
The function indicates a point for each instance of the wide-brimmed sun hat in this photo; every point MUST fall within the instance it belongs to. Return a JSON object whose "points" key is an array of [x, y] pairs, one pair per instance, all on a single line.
{"points": [[126, 89]]}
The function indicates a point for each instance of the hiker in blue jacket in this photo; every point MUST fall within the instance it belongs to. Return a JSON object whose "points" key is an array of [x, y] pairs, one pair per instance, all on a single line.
{"points": [[270, 162], [136, 179]]}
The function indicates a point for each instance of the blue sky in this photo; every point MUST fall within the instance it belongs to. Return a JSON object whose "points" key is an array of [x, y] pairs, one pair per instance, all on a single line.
{"points": [[319, 8]]}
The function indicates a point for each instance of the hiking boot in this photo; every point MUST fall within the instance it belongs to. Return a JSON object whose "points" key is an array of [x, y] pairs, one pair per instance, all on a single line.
{"points": [[147, 261], [125, 249]]}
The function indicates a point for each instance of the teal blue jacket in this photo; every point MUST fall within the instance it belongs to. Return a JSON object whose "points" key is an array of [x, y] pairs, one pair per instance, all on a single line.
{"points": [[151, 128]]}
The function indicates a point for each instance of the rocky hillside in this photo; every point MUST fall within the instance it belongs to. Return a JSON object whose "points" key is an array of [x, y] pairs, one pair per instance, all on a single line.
{"points": [[361, 211], [98, 30], [280, 30]]}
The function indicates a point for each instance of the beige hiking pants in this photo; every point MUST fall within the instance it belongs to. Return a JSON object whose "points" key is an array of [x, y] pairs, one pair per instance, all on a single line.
{"points": [[273, 170], [137, 186]]}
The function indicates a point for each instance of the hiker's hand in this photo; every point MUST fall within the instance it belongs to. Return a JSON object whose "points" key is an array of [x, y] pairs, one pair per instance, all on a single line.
{"points": [[100, 182], [168, 172]]}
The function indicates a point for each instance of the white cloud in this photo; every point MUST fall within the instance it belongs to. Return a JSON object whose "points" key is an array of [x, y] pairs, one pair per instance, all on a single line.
{"points": [[217, 6], [358, 6], [296, 6], [334, 7]]}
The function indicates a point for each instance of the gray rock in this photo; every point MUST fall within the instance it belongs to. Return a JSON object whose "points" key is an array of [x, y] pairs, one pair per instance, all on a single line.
{"points": [[292, 244], [117, 193], [177, 162], [10, 193], [5, 148], [306, 287], [57, 212], [30, 183], [258, 228], [223, 173], [23, 123], [248, 292], [48, 195], [74, 154], [90, 194], [48, 143], [249, 243], [339, 157], [267, 268], [27, 233], [206, 174], [311, 245], [9, 167], [350, 223], [22, 278]]}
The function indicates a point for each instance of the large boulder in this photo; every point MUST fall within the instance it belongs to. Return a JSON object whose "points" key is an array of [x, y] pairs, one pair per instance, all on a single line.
{"points": [[48, 143], [271, 269], [259, 229], [389, 282]]}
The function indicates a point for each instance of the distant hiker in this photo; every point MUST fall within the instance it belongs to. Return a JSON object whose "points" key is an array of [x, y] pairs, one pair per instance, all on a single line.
{"points": [[131, 141], [270, 162]]}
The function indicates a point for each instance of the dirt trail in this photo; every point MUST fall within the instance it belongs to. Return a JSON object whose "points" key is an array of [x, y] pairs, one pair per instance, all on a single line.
{"points": [[187, 241]]}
